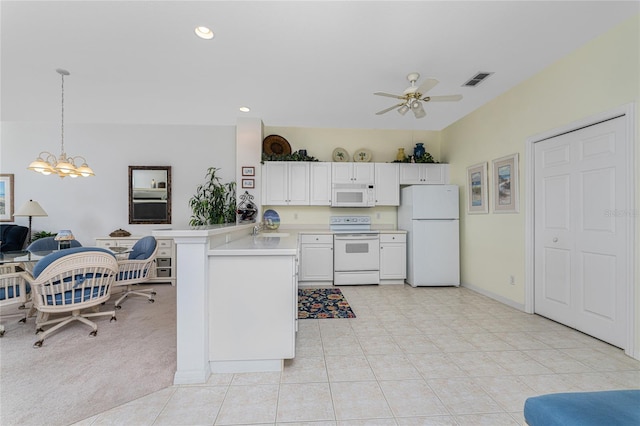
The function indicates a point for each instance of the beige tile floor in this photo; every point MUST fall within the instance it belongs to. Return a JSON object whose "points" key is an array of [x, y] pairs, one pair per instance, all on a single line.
{"points": [[425, 356]]}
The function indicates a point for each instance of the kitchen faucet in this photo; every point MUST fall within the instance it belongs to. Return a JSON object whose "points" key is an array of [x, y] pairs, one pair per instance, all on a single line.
{"points": [[257, 228]]}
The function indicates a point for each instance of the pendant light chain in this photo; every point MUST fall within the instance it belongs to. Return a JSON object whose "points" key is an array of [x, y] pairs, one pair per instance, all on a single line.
{"points": [[62, 118]]}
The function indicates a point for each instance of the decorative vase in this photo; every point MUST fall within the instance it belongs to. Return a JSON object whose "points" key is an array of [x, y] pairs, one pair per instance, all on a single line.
{"points": [[419, 150], [400, 155]]}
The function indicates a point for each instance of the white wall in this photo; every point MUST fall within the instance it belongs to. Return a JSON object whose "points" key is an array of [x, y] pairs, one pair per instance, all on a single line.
{"points": [[98, 205]]}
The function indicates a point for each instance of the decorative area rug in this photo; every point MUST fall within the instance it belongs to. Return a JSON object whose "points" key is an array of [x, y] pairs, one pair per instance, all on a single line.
{"points": [[323, 303]]}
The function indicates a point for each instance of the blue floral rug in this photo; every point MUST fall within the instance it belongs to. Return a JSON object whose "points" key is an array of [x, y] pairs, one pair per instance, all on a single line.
{"points": [[323, 303]]}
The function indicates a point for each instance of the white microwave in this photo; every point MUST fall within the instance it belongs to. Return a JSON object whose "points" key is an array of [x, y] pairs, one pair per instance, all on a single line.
{"points": [[352, 195]]}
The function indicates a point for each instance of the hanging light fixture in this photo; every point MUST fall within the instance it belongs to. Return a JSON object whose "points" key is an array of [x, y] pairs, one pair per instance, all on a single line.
{"points": [[47, 163]]}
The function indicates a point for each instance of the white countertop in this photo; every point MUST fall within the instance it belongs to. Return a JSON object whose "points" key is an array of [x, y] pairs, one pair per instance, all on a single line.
{"points": [[260, 245]]}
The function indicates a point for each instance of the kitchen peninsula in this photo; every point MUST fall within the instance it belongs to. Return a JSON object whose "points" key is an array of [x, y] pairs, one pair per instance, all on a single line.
{"points": [[223, 278]]}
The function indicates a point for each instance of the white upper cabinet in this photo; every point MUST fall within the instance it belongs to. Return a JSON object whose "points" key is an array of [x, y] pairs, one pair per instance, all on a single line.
{"points": [[320, 185], [285, 183], [353, 173], [424, 174], [387, 185]]}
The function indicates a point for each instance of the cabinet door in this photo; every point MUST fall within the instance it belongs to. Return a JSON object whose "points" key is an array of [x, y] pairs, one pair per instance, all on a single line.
{"points": [[316, 262], [410, 174], [276, 184], [320, 185], [341, 173], [363, 173], [298, 181], [435, 173], [393, 256], [387, 185]]}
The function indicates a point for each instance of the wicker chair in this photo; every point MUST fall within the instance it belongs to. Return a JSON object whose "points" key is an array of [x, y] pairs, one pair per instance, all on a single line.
{"points": [[137, 269], [13, 294], [69, 282]]}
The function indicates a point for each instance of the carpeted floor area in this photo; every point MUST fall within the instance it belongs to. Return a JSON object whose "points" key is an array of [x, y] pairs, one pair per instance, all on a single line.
{"points": [[319, 303], [74, 376]]}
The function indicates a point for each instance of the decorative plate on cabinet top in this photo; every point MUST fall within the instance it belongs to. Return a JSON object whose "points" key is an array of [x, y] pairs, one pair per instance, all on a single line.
{"points": [[362, 155], [340, 155], [276, 144]]}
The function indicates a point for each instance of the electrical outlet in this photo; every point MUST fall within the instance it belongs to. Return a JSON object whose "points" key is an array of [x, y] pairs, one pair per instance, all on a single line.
{"points": [[512, 280], [377, 215], [295, 216]]}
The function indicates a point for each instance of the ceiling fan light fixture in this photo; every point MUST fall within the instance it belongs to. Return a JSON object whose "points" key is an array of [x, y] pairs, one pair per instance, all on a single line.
{"points": [[403, 109], [418, 111], [415, 105]]}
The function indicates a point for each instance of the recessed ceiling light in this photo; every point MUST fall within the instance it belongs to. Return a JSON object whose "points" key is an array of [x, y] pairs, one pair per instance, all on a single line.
{"points": [[204, 32], [245, 109]]}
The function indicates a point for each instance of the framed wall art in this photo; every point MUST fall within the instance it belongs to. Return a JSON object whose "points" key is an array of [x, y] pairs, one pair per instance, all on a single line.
{"points": [[248, 183], [505, 184], [477, 191], [6, 198], [248, 171]]}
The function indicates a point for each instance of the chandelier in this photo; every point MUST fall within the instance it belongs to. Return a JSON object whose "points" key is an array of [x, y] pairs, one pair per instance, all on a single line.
{"points": [[47, 163]]}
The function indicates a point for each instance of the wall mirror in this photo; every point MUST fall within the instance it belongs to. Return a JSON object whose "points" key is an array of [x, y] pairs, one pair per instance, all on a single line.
{"points": [[150, 194]]}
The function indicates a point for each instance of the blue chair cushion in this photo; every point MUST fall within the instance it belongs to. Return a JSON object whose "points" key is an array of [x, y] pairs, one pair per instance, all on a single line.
{"points": [[611, 408], [78, 295], [50, 258], [143, 248], [9, 291], [131, 275]]}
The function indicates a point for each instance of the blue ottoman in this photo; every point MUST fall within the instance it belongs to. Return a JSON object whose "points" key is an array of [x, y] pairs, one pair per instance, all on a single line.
{"points": [[610, 408]]}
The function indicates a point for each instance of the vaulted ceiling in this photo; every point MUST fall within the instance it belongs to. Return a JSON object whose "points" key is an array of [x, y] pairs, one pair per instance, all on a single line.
{"points": [[301, 64]]}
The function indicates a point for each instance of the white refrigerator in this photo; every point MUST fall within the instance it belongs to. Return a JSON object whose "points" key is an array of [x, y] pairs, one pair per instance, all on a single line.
{"points": [[430, 215]]}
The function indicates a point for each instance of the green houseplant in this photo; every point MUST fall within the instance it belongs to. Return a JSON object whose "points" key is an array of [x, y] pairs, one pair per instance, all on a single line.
{"points": [[214, 202]]}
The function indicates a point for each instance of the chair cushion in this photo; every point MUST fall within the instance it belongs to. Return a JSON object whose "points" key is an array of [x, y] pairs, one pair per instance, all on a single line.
{"points": [[50, 258], [143, 248], [13, 237], [618, 407], [9, 291], [78, 295]]}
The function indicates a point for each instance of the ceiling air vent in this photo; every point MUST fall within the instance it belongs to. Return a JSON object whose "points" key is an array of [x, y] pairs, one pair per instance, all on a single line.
{"points": [[477, 79]]}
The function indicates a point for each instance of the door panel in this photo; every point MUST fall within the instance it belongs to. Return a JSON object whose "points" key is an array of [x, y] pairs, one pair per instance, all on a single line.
{"points": [[580, 245]]}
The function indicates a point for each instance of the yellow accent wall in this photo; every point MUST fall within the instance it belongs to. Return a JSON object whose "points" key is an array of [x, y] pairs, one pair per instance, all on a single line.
{"points": [[602, 75]]}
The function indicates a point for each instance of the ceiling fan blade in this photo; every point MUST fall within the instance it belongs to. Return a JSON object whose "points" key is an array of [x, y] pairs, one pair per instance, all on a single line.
{"points": [[427, 85], [445, 98], [389, 95], [389, 109]]}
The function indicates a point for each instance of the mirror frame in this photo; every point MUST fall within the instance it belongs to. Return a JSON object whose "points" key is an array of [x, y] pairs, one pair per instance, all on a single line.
{"points": [[133, 220]]}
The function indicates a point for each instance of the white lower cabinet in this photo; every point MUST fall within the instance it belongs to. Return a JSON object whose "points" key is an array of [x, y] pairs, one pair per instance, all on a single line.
{"points": [[393, 258], [254, 312], [316, 257], [166, 268]]}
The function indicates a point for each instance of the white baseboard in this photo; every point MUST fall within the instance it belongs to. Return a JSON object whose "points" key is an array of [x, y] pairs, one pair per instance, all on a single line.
{"points": [[518, 306]]}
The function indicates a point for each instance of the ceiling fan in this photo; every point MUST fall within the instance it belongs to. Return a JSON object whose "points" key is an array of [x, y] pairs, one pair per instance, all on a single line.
{"points": [[413, 95]]}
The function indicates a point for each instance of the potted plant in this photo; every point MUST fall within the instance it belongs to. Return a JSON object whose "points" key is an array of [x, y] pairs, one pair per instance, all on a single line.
{"points": [[214, 202]]}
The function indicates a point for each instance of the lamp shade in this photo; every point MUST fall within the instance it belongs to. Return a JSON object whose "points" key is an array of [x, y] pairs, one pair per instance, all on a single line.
{"points": [[31, 208], [64, 235]]}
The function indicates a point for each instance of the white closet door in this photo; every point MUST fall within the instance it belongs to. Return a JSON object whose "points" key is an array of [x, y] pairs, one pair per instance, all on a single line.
{"points": [[580, 230]]}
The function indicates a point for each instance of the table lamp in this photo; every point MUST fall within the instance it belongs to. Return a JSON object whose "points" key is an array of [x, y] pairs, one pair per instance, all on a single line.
{"points": [[64, 238], [31, 208]]}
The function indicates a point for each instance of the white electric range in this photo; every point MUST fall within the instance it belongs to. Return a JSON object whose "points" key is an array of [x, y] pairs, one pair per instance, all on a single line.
{"points": [[356, 251]]}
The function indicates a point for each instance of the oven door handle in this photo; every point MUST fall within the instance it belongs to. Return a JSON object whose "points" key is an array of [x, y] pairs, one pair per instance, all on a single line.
{"points": [[359, 237]]}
